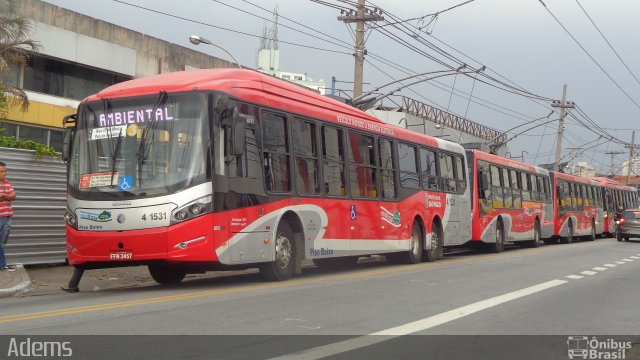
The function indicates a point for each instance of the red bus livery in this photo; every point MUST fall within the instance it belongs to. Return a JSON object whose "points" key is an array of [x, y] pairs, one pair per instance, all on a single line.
{"points": [[209, 169], [511, 201], [615, 195], [577, 209]]}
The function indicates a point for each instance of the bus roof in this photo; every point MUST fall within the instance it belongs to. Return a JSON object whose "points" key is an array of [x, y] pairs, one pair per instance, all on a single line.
{"points": [[496, 159], [610, 183], [253, 86], [578, 179]]}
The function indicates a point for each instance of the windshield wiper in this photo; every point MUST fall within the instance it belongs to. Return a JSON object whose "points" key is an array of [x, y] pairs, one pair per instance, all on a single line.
{"points": [[143, 149]]}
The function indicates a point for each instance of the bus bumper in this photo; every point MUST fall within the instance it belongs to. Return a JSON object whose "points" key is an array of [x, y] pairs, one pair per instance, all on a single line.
{"points": [[189, 241]]}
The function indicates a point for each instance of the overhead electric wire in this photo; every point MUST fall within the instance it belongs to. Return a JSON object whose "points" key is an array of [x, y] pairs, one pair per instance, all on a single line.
{"points": [[226, 29], [608, 43], [344, 45], [590, 56]]}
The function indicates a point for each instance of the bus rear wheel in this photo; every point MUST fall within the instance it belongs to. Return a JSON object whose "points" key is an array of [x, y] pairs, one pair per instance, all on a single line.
{"points": [[592, 235], [166, 275], [536, 235], [414, 255], [498, 246], [569, 238], [284, 264], [434, 248]]}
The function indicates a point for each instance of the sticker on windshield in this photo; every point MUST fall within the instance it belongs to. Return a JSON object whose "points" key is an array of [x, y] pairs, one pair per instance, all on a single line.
{"points": [[98, 180], [108, 132]]}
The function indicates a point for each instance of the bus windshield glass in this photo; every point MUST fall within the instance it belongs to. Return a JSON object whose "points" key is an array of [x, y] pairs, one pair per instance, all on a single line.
{"points": [[139, 147]]}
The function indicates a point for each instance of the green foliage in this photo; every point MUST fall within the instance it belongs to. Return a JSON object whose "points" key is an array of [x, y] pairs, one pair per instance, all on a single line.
{"points": [[40, 149]]}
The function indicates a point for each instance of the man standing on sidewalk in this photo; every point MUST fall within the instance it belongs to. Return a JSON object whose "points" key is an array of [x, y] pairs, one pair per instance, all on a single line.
{"points": [[7, 195]]}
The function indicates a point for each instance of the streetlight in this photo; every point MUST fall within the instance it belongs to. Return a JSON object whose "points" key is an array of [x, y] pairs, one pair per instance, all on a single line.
{"points": [[440, 126], [197, 40]]}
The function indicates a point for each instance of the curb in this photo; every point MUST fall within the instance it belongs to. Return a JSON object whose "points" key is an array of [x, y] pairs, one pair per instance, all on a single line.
{"points": [[24, 284]]}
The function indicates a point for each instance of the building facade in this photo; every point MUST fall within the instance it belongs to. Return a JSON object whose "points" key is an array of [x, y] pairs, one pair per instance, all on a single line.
{"points": [[633, 165], [80, 56]]}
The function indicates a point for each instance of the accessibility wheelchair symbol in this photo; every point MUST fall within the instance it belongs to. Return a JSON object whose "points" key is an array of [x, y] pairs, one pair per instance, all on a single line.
{"points": [[125, 183]]}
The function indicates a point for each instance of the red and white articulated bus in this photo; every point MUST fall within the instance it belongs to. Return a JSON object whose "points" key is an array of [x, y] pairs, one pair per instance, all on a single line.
{"points": [[615, 195], [511, 201], [209, 169], [578, 208]]}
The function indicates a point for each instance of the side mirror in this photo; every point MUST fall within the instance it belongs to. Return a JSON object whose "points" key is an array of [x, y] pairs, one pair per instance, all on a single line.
{"points": [[69, 132]]}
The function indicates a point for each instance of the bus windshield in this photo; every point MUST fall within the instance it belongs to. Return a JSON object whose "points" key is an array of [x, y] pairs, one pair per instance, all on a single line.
{"points": [[139, 147]]}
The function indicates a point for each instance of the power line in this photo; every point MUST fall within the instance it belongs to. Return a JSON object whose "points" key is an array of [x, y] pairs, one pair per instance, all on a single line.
{"points": [[608, 43], [226, 29], [589, 55]]}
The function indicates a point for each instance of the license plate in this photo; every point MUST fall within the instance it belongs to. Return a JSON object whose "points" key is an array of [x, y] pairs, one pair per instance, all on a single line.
{"points": [[121, 255]]}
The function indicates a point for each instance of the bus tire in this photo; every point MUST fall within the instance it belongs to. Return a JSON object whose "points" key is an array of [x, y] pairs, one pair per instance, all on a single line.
{"points": [[498, 246], [283, 266], [569, 238], [592, 236], [536, 236], [414, 255], [166, 275], [434, 250]]}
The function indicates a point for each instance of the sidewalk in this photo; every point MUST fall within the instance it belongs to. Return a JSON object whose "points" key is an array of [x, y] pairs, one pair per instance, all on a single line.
{"points": [[13, 282]]}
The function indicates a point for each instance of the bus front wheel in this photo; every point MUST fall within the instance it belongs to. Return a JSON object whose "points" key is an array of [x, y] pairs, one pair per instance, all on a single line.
{"points": [[166, 275], [283, 266], [569, 238], [434, 248]]}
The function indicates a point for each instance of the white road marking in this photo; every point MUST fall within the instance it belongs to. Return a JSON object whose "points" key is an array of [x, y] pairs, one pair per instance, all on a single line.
{"points": [[610, 265], [620, 262], [588, 272], [420, 325], [574, 277], [598, 268], [635, 257], [627, 260]]}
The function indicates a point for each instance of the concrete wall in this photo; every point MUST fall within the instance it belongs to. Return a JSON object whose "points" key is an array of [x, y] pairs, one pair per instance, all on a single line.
{"points": [[96, 40]]}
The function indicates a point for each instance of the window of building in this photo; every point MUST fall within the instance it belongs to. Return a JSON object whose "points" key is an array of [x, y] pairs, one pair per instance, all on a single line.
{"points": [[64, 79]]}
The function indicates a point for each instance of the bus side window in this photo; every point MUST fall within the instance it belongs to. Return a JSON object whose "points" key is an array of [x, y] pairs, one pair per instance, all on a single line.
{"points": [[306, 155], [506, 188], [526, 192], [333, 165], [362, 171], [275, 147], [429, 168], [515, 189], [460, 175], [387, 169], [496, 187], [408, 167], [447, 173]]}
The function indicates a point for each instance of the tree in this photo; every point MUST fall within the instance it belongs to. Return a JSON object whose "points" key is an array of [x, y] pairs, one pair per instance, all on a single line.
{"points": [[15, 48]]}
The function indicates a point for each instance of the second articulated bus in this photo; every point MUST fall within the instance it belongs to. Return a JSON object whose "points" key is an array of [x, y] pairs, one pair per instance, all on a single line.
{"points": [[511, 201]]}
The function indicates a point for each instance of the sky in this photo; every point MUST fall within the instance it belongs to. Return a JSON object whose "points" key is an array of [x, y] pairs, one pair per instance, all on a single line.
{"points": [[536, 46]]}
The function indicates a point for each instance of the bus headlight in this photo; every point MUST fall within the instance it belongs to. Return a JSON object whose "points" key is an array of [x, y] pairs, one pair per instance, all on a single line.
{"points": [[193, 209], [71, 219]]}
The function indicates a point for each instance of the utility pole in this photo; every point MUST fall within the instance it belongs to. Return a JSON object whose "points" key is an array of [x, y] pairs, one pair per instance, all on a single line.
{"points": [[362, 15], [563, 105], [633, 144], [613, 163]]}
